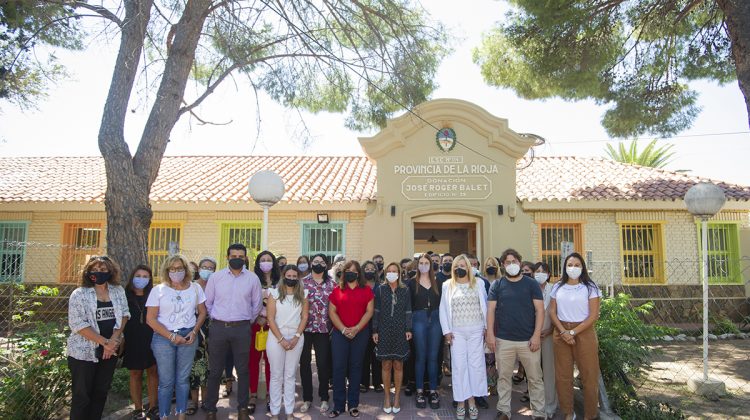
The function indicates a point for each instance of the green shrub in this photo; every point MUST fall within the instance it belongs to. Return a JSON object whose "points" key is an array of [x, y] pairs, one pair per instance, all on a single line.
{"points": [[624, 338], [34, 376], [645, 409], [723, 325]]}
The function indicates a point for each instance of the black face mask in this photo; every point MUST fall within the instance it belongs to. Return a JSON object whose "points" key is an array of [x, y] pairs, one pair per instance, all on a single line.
{"points": [[99, 277], [350, 277], [290, 282], [369, 275], [461, 273], [380, 266], [492, 270], [435, 266], [318, 268], [236, 263], [411, 273], [447, 267]]}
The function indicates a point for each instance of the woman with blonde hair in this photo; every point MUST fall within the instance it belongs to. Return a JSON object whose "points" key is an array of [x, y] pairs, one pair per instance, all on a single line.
{"points": [[97, 314], [287, 310], [172, 308], [491, 269], [463, 318], [391, 331]]}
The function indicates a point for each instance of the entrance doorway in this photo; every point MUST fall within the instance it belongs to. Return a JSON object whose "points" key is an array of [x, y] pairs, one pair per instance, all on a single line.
{"points": [[439, 237]]}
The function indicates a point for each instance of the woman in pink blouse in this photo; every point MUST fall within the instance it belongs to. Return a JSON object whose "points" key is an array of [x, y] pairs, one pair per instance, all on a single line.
{"points": [[318, 286]]}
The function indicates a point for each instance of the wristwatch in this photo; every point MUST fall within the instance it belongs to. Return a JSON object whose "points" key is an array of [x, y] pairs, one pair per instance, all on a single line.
{"points": [[572, 332], [298, 335]]}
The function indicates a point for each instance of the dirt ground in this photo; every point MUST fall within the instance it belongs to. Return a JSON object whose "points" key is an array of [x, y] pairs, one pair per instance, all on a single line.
{"points": [[677, 362]]}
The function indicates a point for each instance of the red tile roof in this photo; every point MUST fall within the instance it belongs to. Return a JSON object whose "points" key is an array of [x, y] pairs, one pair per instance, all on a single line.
{"points": [[316, 179], [565, 178]]}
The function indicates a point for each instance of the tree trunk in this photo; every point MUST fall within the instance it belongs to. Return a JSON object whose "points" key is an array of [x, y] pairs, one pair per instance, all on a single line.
{"points": [[129, 178], [737, 18]]}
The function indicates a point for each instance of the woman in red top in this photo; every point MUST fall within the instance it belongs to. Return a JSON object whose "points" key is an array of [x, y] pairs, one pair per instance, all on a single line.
{"points": [[350, 308]]}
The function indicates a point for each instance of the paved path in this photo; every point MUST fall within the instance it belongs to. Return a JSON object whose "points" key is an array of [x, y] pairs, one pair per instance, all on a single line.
{"points": [[371, 404]]}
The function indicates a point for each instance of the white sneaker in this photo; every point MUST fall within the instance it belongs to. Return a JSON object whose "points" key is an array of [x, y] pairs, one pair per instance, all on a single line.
{"points": [[305, 406], [324, 406]]}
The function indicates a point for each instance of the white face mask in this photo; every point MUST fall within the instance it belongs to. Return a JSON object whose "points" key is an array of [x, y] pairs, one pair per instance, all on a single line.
{"points": [[391, 277], [424, 268], [573, 272], [541, 278], [513, 269]]}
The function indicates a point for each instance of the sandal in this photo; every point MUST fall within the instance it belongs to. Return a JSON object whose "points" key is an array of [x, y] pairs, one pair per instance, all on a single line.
{"points": [[191, 409], [252, 404], [473, 412], [333, 414], [138, 414], [354, 412], [460, 413]]}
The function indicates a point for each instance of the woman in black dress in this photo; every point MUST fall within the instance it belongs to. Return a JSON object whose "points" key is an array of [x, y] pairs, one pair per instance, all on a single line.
{"points": [[390, 325], [137, 356]]}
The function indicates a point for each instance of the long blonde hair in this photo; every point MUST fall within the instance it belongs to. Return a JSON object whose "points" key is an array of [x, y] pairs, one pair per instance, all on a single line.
{"points": [[398, 271], [168, 262], [469, 271]]}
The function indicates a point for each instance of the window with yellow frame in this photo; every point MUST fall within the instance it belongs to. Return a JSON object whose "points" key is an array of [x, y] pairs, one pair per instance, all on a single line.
{"points": [[554, 238], [245, 233], [81, 241], [723, 252], [642, 251], [164, 238]]}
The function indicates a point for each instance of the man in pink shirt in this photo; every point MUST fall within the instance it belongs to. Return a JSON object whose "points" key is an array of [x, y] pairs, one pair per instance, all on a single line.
{"points": [[233, 300]]}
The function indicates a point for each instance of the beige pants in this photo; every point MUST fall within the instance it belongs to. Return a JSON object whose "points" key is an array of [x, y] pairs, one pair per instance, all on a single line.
{"points": [[506, 353], [585, 355]]}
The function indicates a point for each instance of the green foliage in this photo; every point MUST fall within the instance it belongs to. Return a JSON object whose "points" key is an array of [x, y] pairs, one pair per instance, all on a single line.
{"points": [[644, 409], [723, 325], [636, 56], [25, 25], [623, 341], [652, 156], [34, 376]]}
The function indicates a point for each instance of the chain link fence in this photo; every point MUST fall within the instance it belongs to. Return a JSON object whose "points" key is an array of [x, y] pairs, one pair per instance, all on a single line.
{"points": [[37, 284], [674, 299]]}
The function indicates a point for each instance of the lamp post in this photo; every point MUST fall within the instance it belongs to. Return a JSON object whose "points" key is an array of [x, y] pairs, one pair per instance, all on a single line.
{"points": [[266, 188], [704, 200]]}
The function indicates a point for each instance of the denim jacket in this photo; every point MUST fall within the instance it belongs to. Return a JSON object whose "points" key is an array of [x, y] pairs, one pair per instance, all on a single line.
{"points": [[82, 314]]}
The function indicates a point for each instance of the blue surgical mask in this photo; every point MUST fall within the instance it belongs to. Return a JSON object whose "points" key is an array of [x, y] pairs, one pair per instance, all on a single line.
{"points": [[205, 274], [140, 282]]}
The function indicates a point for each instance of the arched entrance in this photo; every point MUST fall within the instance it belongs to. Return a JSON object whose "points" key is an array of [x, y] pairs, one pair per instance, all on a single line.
{"points": [[441, 233]]}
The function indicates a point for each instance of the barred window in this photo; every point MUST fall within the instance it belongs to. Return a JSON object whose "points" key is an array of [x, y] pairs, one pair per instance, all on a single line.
{"points": [[80, 242], [245, 233], [642, 251], [323, 238], [723, 252], [164, 239], [556, 239], [12, 250]]}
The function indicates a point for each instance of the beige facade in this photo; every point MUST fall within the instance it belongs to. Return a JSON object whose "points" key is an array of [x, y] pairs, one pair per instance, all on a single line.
{"points": [[447, 179]]}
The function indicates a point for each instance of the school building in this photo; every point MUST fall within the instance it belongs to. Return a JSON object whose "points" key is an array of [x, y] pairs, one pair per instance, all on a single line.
{"points": [[449, 178]]}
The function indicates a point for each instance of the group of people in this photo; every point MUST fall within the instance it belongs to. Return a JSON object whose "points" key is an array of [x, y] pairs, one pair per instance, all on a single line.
{"points": [[390, 325]]}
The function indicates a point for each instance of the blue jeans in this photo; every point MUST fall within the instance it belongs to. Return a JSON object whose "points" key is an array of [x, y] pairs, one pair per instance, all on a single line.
{"points": [[347, 357], [427, 335], [174, 364]]}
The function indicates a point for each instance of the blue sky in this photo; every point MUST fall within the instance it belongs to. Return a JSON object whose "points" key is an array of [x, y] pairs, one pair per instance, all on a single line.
{"points": [[66, 124]]}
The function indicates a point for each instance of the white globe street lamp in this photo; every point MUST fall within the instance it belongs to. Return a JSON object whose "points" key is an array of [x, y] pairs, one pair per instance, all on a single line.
{"points": [[266, 188], [704, 200]]}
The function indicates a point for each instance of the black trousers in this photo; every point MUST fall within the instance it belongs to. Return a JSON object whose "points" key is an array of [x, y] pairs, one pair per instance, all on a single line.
{"points": [[223, 338], [321, 342], [409, 373], [371, 366], [91, 383]]}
